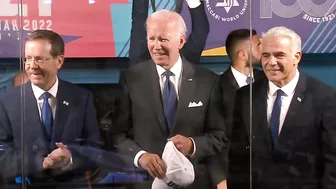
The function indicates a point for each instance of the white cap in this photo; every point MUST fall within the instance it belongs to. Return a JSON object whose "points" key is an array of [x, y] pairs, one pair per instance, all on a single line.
{"points": [[180, 171]]}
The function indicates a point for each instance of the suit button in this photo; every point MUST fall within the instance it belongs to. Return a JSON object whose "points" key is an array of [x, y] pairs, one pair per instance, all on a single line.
{"points": [[247, 147], [253, 137]]}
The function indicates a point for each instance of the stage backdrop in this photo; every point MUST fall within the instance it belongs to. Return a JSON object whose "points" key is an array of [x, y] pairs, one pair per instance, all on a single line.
{"points": [[101, 28]]}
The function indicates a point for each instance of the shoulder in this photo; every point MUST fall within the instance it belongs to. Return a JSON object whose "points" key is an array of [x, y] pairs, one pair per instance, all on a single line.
{"points": [[73, 89], [138, 68], [317, 87], [11, 94], [204, 73], [225, 75]]}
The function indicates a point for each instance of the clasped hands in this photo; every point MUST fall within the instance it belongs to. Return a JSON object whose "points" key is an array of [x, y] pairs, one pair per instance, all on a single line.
{"points": [[58, 158], [153, 163]]}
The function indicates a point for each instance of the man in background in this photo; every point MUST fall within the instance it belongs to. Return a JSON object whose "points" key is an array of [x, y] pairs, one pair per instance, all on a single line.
{"points": [[20, 78], [243, 49]]}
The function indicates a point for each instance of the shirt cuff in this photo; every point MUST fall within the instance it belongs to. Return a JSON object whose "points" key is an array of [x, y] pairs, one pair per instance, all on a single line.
{"points": [[193, 3], [137, 156], [194, 147]]}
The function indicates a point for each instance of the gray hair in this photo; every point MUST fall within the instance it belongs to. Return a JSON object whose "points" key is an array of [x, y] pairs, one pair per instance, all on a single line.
{"points": [[283, 32], [168, 15]]}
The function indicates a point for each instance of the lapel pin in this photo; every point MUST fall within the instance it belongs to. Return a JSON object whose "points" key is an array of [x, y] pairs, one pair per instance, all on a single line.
{"points": [[189, 79], [298, 99], [66, 103]]}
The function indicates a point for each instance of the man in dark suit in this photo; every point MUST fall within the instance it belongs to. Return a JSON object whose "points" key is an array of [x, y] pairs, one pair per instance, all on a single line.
{"points": [[169, 98], [238, 47], [194, 47], [52, 118], [293, 123]]}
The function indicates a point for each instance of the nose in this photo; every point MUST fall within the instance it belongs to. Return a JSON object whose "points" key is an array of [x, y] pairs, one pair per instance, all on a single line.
{"points": [[157, 44], [32, 65], [272, 61]]}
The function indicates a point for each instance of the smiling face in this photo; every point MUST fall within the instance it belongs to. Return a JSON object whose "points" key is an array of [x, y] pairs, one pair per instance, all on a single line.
{"points": [[279, 60], [42, 74], [164, 42]]}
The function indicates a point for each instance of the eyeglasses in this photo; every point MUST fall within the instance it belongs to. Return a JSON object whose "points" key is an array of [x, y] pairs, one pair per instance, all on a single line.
{"points": [[38, 60]]}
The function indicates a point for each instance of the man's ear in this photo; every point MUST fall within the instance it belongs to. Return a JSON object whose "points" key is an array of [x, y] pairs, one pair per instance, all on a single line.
{"points": [[182, 41], [297, 58], [60, 61]]}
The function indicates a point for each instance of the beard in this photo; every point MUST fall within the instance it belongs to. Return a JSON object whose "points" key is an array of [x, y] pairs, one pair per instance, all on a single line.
{"points": [[255, 62]]}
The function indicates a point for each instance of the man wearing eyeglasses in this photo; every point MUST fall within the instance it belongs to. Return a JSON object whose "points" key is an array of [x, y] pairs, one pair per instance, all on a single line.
{"points": [[58, 119]]}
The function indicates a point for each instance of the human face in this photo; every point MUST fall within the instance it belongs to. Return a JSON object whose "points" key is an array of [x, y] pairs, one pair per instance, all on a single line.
{"points": [[278, 60], [164, 42], [40, 66], [256, 52]]}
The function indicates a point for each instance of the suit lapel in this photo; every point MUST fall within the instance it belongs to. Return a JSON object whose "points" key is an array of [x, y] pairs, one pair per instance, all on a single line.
{"points": [[295, 108], [232, 79], [260, 126], [155, 96], [31, 117], [187, 89], [63, 104]]}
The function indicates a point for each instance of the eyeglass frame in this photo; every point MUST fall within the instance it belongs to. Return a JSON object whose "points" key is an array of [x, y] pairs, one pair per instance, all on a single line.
{"points": [[39, 61]]}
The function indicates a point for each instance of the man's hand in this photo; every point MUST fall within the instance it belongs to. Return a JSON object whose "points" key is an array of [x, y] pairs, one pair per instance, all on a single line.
{"points": [[183, 144], [222, 185], [153, 164], [58, 158]]}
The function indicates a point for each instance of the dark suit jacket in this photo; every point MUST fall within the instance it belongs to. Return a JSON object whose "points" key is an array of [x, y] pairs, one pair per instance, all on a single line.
{"points": [[75, 125], [306, 154], [194, 46], [229, 87], [144, 126]]}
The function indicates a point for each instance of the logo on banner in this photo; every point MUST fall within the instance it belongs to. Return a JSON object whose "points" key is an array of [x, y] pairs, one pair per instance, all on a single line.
{"points": [[310, 11], [226, 10], [15, 16]]}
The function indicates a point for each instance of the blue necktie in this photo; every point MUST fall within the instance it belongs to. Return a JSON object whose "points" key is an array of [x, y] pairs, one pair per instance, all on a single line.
{"points": [[275, 118], [249, 80], [47, 116], [169, 101]]}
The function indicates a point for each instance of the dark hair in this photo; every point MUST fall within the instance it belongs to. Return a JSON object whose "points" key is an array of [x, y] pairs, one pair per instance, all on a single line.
{"points": [[235, 37], [56, 41]]}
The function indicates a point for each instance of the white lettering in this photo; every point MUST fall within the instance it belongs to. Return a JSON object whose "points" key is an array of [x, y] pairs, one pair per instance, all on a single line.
{"points": [[8, 9], [313, 12]]}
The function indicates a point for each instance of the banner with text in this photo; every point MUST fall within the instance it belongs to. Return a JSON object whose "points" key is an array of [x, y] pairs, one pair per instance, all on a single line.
{"points": [[101, 28]]}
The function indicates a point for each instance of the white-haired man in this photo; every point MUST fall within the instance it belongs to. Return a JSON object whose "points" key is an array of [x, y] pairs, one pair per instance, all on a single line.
{"points": [[168, 98], [293, 123]]}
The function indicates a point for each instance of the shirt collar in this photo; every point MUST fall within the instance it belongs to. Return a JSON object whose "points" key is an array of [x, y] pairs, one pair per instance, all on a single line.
{"points": [[288, 89], [38, 92], [240, 77], [176, 69]]}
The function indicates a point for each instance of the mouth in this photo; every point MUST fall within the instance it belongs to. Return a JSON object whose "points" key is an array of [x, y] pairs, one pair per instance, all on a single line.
{"points": [[158, 54], [273, 71], [36, 74]]}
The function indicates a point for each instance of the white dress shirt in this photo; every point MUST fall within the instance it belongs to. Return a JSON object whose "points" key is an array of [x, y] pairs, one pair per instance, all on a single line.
{"points": [[193, 3], [38, 93], [175, 78], [288, 93], [240, 78]]}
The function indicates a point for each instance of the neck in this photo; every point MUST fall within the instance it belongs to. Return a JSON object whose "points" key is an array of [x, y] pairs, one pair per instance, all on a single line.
{"points": [[170, 64], [48, 86], [242, 68]]}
